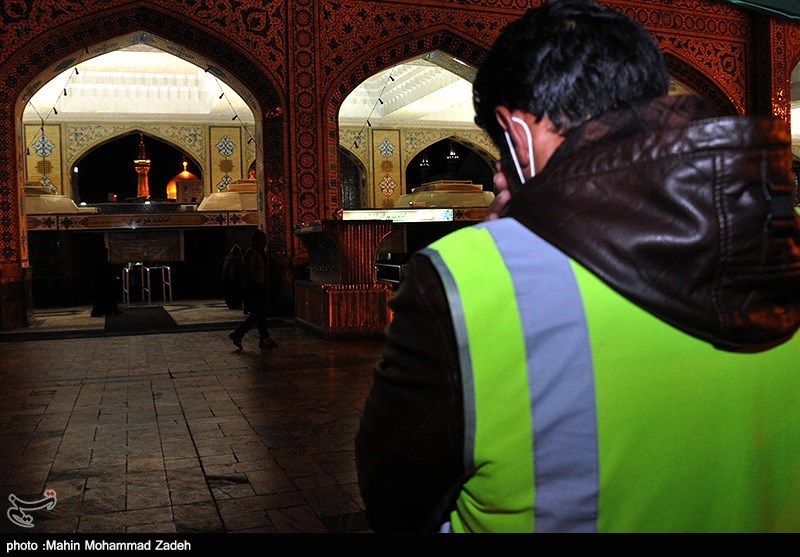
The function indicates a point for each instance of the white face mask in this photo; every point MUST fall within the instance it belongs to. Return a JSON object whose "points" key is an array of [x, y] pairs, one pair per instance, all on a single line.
{"points": [[522, 179]]}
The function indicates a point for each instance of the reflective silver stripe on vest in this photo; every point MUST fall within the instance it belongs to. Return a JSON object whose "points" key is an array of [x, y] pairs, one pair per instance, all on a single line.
{"points": [[561, 379], [464, 360]]}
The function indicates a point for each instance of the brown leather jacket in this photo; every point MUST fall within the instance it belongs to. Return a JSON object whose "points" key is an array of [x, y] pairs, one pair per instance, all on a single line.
{"points": [[689, 216]]}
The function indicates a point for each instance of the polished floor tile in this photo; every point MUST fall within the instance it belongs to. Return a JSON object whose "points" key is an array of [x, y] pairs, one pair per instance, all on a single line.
{"points": [[179, 433]]}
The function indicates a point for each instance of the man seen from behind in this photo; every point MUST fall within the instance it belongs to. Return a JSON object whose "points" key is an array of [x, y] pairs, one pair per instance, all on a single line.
{"points": [[616, 348]]}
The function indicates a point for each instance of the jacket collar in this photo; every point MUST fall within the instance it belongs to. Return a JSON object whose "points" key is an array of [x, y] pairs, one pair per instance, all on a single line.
{"points": [[671, 111], [683, 213]]}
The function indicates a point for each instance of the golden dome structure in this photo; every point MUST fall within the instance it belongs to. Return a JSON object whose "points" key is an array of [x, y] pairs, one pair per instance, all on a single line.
{"points": [[184, 178]]}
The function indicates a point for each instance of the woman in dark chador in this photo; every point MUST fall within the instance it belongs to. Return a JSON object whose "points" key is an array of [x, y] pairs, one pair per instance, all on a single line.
{"points": [[105, 286], [255, 293], [232, 278]]}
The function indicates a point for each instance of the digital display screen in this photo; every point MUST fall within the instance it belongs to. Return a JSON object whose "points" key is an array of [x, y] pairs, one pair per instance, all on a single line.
{"points": [[399, 215]]}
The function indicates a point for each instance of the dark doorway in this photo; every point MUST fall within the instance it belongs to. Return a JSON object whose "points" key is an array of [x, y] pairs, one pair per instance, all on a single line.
{"points": [[108, 169], [354, 181], [448, 160]]}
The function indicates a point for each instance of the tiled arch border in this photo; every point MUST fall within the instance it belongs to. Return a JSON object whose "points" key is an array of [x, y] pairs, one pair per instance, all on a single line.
{"points": [[103, 25], [694, 66], [118, 132], [394, 52]]}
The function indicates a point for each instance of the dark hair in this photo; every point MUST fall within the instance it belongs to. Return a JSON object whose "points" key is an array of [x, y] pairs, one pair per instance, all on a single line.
{"points": [[259, 237], [569, 60]]}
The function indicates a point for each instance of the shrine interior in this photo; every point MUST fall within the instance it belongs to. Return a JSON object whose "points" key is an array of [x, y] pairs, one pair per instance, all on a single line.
{"points": [[149, 139]]}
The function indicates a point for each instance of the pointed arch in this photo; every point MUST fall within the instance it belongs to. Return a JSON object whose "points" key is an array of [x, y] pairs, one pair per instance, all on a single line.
{"points": [[403, 48], [109, 30], [117, 132], [62, 43], [684, 71], [419, 140], [355, 154], [354, 183]]}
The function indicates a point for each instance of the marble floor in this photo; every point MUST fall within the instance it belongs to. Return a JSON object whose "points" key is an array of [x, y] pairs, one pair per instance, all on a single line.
{"points": [[78, 322], [180, 432]]}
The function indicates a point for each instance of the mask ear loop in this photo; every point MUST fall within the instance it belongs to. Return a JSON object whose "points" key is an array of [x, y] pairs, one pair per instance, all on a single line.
{"points": [[514, 158], [530, 147]]}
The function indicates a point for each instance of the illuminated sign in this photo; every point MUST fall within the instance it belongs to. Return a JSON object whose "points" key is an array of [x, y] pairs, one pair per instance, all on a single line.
{"points": [[399, 215]]}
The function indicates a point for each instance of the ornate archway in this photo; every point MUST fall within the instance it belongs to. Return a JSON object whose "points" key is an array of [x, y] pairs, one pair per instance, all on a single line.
{"points": [[784, 37], [706, 46], [354, 177], [702, 85], [477, 140], [129, 134], [97, 141], [437, 38], [714, 68], [63, 42], [450, 158]]}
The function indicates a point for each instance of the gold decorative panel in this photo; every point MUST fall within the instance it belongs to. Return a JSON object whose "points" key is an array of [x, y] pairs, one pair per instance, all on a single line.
{"points": [[411, 141], [226, 156], [387, 170], [43, 156]]}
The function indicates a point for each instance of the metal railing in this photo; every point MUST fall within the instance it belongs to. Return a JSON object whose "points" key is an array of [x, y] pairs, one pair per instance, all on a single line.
{"points": [[145, 282]]}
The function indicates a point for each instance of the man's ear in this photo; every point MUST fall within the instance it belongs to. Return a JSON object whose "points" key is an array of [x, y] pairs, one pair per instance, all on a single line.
{"points": [[503, 116], [519, 139]]}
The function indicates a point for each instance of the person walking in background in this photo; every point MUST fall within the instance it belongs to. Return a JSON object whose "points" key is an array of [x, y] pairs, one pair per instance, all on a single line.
{"points": [[232, 278], [615, 349], [254, 293]]}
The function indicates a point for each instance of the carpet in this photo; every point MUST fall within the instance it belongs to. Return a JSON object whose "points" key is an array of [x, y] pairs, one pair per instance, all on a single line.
{"points": [[136, 320]]}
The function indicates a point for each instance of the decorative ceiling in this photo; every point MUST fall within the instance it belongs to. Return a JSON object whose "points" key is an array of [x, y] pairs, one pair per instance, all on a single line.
{"points": [[145, 83], [431, 90], [138, 82], [434, 90]]}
